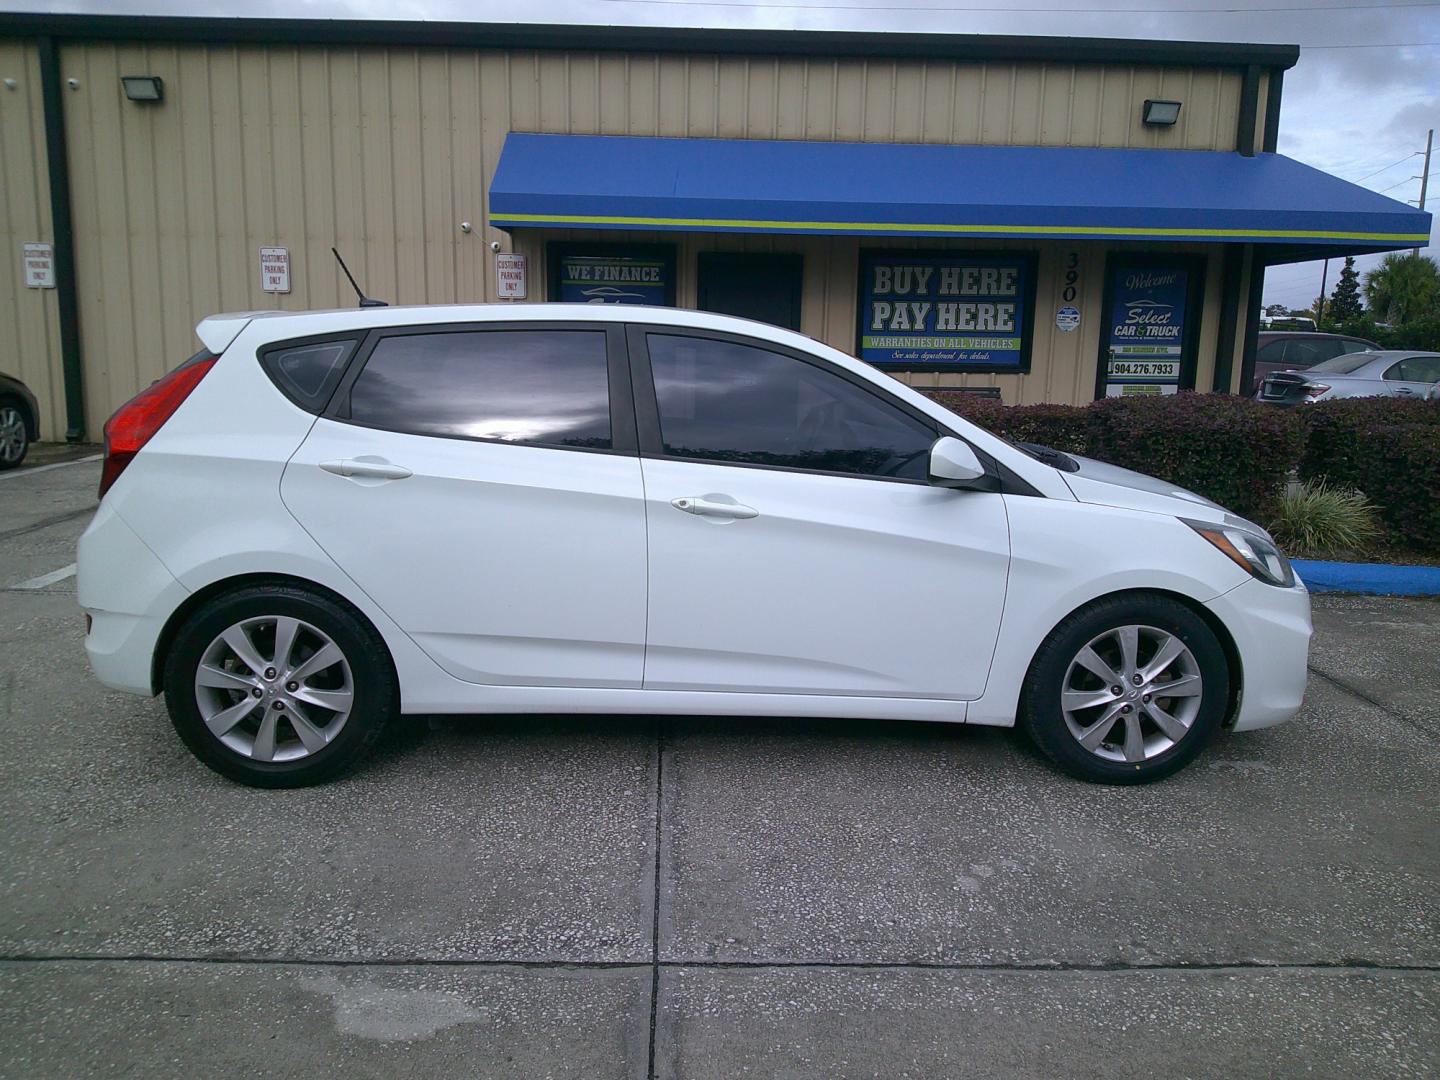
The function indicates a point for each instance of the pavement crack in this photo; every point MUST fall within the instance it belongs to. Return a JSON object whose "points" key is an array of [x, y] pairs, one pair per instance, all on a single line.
{"points": [[655, 964], [1389, 710], [45, 523], [1039, 967]]}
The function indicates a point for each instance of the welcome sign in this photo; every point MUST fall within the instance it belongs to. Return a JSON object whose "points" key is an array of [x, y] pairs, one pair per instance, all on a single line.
{"points": [[1145, 333], [948, 310]]}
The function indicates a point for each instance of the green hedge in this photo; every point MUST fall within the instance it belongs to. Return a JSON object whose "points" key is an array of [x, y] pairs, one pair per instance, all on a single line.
{"points": [[1388, 449], [1403, 480], [1241, 453], [1231, 449], [1337, 446]]}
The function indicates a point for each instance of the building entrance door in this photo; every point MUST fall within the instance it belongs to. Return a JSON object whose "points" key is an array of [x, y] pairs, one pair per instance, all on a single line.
{"points": [[753, 285]]}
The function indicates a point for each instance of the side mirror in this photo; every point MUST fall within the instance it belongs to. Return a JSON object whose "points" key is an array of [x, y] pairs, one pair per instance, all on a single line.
{"points": [[954, 464]]}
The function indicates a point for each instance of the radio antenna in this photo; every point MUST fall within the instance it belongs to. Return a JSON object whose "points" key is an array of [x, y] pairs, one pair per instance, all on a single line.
{"points": [[365, 301]]}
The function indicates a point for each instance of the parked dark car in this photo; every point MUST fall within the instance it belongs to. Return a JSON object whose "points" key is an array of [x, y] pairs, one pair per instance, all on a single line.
{"points": [[19, 421], [1281, 350]]}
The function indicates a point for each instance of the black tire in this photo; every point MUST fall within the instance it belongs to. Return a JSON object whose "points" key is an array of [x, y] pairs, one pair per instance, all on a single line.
{"points": [[372, 682], [1044, 720], [10, 458]]}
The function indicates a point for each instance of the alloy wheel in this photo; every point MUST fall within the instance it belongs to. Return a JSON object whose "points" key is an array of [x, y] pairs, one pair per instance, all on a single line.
{"points": [[1132, 693], [12, 434], [274, 688]]}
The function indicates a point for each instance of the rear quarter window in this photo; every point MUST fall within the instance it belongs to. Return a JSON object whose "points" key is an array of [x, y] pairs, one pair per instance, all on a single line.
{"points": [[308, 372]]}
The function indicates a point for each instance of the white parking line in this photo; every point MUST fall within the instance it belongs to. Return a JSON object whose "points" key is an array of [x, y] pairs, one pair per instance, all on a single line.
{"points": [[47, 579], [47, 468]]}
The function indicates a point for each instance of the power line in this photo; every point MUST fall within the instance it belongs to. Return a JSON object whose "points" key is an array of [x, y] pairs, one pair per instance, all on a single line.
{"points": [[960, 10], [1392, 187], [1387, 168], [1378, 45]]}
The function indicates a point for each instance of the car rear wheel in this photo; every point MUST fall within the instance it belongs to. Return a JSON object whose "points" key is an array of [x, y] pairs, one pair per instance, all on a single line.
{"points": [[1127, 690], [277, 686], [14, 435]]}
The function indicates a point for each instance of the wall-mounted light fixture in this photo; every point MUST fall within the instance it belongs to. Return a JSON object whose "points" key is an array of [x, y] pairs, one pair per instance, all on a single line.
{"points": [[149, 88], [1161, 113]]}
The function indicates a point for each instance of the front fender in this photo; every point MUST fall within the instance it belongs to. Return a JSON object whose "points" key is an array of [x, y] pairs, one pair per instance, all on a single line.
{"points": [[1065, 555]]}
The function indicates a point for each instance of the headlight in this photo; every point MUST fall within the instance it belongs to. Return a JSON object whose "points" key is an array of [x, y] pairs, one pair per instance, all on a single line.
{"points": [[1257, 554]]}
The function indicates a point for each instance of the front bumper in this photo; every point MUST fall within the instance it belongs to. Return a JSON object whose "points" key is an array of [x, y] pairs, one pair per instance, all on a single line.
{"points": [[1271, 628], [128, 594]]}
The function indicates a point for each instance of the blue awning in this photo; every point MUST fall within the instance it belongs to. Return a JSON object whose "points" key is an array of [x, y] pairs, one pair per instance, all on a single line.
{"points": [[879, 189]]}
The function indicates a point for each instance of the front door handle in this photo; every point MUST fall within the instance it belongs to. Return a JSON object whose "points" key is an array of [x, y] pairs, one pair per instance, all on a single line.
{"points": [[379, 470], [1404, 391], [694, 504]]}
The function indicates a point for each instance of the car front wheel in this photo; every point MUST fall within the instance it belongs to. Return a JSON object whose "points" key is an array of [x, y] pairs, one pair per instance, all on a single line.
{"points": [[1127, 690], [278, 686]]}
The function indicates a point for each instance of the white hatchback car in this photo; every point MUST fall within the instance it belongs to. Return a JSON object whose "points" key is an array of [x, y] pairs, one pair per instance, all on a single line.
{"points": [[327, 519]]}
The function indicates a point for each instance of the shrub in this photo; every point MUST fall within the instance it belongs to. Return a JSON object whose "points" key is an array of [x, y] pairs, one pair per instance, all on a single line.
{"points": [[1317, 519], [1337, 445], [1065, 427], [985, 411], [1231, 449], [1402, 477]]}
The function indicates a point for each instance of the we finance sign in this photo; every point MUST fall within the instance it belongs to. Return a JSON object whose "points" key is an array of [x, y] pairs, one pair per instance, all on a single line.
{"points": [[947, 311]]}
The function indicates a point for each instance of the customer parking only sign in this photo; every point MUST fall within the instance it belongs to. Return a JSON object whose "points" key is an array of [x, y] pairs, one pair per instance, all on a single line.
{"points": [[1145, 334], [946, 312]]}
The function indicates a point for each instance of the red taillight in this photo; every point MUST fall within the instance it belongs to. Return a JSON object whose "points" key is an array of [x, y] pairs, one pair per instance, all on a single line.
{"points": [[1314, 390], [136, 422]]}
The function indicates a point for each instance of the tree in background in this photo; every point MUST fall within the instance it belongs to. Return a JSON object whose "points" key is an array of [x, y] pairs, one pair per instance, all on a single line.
{"points": [[1275, 311], [1345, 300], [1403, 288]]}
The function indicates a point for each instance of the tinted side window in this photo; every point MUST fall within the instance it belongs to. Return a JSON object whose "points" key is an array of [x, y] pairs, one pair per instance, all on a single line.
{"points": [[307, 374], [721, 401], [549, 387], [1356, 346], [1326, 350], [1271, 353], [1300, 354], [1416, 369]]}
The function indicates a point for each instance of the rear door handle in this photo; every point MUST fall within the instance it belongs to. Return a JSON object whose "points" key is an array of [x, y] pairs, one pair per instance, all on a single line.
{"points": [[694, 504], [380, 470]]}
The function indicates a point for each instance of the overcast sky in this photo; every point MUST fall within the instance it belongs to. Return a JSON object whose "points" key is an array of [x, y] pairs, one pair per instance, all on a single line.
{"points": [[1357, 105]]}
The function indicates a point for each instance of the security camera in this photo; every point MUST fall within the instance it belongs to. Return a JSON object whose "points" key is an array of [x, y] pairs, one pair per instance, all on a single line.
{"points": [[495, 245]]}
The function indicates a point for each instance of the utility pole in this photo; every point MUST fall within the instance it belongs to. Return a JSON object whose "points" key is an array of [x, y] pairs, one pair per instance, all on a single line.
{"points": [[1425, 175], [1320, 304]]}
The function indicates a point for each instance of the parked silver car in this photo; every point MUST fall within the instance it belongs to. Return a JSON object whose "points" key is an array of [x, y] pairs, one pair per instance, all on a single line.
{"points": [[1392, 373]]}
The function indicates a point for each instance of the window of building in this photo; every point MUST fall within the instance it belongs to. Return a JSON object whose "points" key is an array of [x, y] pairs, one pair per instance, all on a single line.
{"points": [[546, 387], [727, 402]]}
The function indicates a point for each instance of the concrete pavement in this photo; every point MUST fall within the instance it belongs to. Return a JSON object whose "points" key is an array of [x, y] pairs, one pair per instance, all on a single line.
{"points": [[597, 897]]}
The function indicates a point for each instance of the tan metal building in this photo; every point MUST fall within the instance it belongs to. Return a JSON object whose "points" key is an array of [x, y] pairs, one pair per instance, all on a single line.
{"points": [[162, 169]]}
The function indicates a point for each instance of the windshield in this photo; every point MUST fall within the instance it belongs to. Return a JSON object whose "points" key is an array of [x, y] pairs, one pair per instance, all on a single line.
{"points": [[1344, 365]]}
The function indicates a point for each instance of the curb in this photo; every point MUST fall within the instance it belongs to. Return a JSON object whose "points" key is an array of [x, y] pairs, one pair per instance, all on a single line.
{"points": [[1369, 579]]}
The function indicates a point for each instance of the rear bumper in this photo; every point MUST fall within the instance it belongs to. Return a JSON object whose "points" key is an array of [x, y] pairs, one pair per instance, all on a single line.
{"points": [[128, 594], [1271, 628]]}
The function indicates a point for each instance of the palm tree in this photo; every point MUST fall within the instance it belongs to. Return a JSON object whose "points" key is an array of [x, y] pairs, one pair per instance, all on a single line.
{"points": [[1403, 287]]}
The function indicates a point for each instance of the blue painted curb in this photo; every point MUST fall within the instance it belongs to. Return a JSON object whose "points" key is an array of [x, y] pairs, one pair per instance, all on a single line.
{"points": [[1372, 579]]}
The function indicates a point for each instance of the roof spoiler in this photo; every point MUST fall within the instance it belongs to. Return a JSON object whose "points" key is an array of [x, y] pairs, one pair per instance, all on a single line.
{"points": [[216, 332]]}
